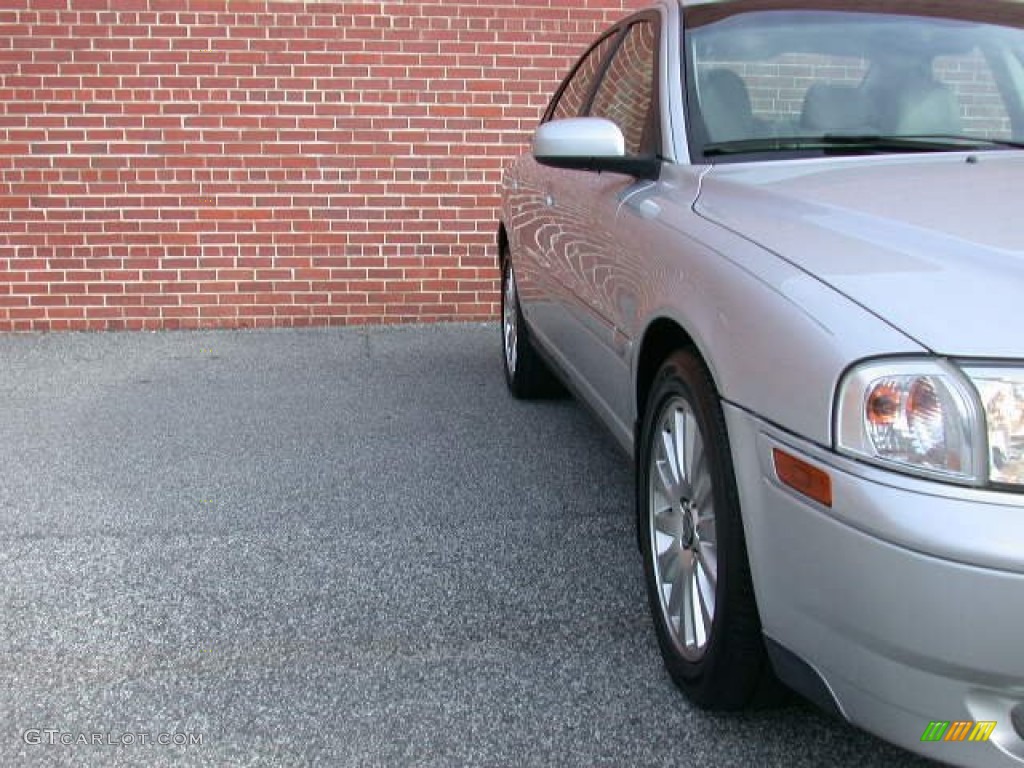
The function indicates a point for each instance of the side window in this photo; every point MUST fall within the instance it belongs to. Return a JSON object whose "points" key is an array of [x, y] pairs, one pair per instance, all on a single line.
{"points": [[627, 90], [573, 98]]}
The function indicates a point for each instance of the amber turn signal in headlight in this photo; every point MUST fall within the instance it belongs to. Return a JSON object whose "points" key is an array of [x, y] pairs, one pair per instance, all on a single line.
{"points": [[920, 417]]}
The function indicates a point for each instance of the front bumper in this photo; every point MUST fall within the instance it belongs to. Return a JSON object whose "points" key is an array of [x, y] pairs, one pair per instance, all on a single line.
{"points": [[907, 617]]}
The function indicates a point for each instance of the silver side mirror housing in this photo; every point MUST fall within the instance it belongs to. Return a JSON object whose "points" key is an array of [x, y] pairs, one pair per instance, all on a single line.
{"points": [[589, 144]]}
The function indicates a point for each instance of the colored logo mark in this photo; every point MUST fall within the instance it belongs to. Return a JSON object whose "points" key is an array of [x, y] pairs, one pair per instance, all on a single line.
{"points": [[960, 730]]}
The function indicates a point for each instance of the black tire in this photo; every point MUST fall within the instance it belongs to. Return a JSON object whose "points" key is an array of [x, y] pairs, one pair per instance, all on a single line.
{"points": [[526, 374], [731, 669]]}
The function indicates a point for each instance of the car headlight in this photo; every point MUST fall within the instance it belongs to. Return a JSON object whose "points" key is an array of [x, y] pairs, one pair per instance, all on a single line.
{"points": [[1002, 397], [916, 416]]}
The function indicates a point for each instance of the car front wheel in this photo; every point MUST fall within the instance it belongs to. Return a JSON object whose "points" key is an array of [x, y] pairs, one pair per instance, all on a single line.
{"points": [[698, 577]]}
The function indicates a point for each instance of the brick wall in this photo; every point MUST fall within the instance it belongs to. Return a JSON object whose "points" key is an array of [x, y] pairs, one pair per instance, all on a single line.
{"points": [[213, 163]]}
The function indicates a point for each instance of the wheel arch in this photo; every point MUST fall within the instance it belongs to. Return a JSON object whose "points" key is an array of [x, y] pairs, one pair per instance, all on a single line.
{"points": [[662, 337], [502, 243]]}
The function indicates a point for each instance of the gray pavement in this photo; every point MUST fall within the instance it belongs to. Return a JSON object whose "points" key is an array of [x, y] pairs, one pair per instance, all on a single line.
{"points": [[332, 547]]}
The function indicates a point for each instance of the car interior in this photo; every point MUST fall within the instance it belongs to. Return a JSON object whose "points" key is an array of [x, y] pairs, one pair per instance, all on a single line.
{"points": [[861, 79], [892, 100]]}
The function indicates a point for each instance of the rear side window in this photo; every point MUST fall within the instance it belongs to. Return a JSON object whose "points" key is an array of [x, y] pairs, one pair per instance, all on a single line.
{"points": [[572, 99], [626, 93]]}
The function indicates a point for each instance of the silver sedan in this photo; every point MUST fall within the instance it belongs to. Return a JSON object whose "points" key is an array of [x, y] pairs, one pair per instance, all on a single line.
{"points": [[777, 247]]}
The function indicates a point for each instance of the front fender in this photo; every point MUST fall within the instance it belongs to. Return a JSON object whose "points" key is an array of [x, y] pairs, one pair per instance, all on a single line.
{"points": [[775, 339]]}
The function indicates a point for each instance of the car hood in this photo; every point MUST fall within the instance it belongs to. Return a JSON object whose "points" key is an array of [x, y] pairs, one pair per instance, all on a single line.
{"points": [[932, 244]]}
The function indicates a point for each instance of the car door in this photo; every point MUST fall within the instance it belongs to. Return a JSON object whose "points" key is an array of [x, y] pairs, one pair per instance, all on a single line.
{"points": [[534, 222], [588, 250]]}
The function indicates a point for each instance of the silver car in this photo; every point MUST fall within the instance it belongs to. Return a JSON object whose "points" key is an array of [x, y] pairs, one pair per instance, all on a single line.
{"points": [[778, 248]]}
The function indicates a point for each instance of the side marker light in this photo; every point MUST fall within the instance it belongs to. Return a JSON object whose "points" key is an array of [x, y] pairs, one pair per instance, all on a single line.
{"points": [[802, 477]]}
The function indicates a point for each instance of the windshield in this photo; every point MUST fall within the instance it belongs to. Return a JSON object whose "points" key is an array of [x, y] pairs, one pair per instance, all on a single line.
{"points": [[809, 82]]}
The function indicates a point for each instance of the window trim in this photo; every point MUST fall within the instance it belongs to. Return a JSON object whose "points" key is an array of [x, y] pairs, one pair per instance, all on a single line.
{"points": [[599, 72], [652, 141]]}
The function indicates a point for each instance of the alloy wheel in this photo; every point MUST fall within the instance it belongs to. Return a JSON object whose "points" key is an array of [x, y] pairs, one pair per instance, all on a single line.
{"points": [[510, 321], [682, 528]]}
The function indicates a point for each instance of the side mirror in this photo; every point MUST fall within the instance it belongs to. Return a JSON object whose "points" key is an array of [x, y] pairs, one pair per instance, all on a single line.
{"points": [[589, 144]]}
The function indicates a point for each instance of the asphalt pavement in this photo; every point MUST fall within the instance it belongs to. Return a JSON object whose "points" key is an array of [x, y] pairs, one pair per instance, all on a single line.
{"points": [[332, 547]]}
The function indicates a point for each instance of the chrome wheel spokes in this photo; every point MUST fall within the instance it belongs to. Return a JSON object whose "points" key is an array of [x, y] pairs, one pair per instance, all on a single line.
{"points": [[510, 322], [682, 528]]}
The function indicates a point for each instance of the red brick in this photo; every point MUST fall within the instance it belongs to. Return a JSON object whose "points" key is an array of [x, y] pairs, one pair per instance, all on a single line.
{"points": [[325, 151]]}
